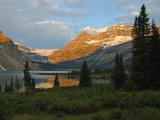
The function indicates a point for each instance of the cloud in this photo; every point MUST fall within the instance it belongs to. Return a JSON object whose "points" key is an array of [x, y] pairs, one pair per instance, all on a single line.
{"points": [[135, 13], [74, 2], [49, 33], [129, 9], [79, 3], [33, 23], [51, 23], [122, 18], [153, 9]]}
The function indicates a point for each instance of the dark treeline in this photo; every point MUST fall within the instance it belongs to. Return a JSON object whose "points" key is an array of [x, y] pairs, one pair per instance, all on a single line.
{"points": [[146, 48], [13, 85], [119, 75], [145, 66], [85, 75]]}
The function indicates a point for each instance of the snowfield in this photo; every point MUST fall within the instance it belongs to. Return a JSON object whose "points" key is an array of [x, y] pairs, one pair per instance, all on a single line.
{"points": [[43, 52], [110, 42]]}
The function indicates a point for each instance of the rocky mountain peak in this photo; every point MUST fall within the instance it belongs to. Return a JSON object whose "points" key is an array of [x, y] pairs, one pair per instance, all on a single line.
{"points": [[87, 43], [4, 39]]}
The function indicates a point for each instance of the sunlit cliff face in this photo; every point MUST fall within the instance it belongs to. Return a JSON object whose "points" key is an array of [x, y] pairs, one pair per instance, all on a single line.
{"points": [[87, 43], [4, 39]]}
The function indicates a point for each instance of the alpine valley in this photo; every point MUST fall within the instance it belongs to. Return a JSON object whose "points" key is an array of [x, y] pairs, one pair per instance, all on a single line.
{"points": [[98, 48]]}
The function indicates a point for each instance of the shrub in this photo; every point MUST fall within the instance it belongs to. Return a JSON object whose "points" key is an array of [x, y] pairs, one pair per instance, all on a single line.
{"points": [[115, 115], [99, 117], [146, 113]]}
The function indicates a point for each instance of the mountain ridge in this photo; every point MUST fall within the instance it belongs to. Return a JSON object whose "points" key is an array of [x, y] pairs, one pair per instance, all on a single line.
{"points": [[87, 43], [11, 57]]}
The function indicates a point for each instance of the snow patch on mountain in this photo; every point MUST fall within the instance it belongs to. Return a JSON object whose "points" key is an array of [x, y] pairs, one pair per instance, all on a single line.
{"points": [[110, 42], [43, 52], [2, 68], [120, 39], [91, 42]]}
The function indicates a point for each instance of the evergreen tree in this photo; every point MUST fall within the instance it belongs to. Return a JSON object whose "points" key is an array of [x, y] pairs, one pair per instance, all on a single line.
{"points": [[33, 84], [85, 78], [6, 88], [11, 86], [119, 75], [0, 88], [155, 57], [56, 81], [17, 84], [135, 28], [27, 76], [140, 52]]}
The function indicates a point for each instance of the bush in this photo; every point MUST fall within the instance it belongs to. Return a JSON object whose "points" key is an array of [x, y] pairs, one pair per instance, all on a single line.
{"points": [[146, 113], [5, 113], [115, 115], [77, 101], [99, 117]]}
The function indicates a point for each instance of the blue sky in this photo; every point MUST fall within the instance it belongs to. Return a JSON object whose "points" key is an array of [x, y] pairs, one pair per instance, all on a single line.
{"points": [[53, 23]]}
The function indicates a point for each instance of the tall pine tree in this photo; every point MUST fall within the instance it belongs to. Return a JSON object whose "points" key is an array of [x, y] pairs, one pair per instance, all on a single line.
{"points": [[140, 52], [0, 88], [56, 81], [155, 57], [33, 86], [27, 76], [17, 84], [85, 78], [119, 75]]}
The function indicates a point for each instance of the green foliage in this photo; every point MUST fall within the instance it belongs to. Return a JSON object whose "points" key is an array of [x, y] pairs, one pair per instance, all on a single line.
{"points": [[5, 113], [116, 115], [99, 117], [56, 81], [129, 85], [78, 100], [85, 78], [121, 105], [119, 75], [146, 113]]}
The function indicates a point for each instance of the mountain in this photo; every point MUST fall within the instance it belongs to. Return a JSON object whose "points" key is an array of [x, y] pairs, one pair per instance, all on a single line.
{"points": [[102, 58], [10, 57], [116, 39], [40, 55], [86, 43]]}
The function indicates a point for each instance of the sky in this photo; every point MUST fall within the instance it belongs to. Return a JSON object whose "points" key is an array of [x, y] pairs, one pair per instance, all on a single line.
{"points": [[51, 24]]}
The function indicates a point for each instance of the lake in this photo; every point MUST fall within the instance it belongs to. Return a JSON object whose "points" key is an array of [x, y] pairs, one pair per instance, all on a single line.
{"points": [[43, 79]]}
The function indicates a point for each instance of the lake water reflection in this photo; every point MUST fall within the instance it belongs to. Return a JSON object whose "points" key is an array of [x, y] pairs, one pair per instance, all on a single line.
{"points": [[43, 79]]}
